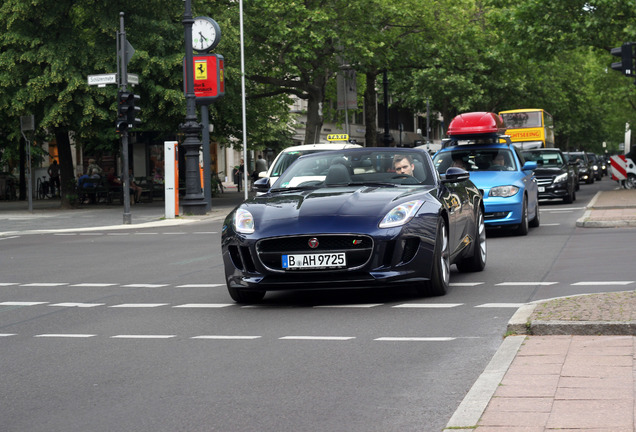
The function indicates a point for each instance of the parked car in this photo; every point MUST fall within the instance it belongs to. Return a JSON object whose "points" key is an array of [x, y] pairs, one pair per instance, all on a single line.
{"points": [[586, 173], [286, 157], [354, 218], [597, 168], [556, 178]]}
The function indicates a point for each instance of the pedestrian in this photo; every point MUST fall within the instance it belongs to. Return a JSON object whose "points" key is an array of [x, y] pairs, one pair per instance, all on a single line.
{"points": [[54, 178], [93, 169], [238, 175]]}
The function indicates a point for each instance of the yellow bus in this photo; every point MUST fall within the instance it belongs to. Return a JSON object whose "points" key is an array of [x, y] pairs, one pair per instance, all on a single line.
{"points": [[529, 128]]}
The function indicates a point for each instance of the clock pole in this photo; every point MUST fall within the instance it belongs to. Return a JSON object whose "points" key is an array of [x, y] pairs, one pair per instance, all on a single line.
{"points": [[193, 202]]}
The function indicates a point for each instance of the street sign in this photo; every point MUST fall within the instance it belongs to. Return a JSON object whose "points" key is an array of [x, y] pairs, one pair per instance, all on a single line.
{"points": [[102, 79], [133, 78]]}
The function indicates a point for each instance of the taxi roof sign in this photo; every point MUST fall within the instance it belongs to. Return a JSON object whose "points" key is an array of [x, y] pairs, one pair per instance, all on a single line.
{"points": [[476, 123], [338, 137]]}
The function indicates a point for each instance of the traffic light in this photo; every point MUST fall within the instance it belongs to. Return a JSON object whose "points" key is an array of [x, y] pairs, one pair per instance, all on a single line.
{"points": [[127, 111], [626, 53]]}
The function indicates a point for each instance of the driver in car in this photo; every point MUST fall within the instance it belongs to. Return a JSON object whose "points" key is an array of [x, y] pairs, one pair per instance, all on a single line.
{"points": [[403, 164]]}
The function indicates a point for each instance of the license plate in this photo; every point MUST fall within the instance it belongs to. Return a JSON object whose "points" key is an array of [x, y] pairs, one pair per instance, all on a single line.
{"points": [[541, 189], [314, 261]]}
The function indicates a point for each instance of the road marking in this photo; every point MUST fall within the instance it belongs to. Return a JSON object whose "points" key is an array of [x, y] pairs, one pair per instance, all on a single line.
{"points": [[139, 305], [360, 306], [44, 284], [117, 234], [65, 234], [18, 303], [92, 234], [562, 209], [174, 233], [414, 339], [64, 335], [8, 283], [460, 284], [9, 238], [220, 337], [605, 283], [198, 286], [428, 305], [7, 334], [144, 285], [146, 233], [204, 305], [80, 305], [526, 283], [553, 224], [205, 232], [321, 338], [93, 285], [500, 305], [133, 336]]}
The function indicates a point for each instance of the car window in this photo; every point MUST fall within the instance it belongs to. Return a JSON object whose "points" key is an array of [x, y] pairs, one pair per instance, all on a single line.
{"points": [[544, 158], [374, 168], [491, 159]]}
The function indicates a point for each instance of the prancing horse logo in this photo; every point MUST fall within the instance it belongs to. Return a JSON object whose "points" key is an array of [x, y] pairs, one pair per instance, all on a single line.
{"points": [[313, 243]]}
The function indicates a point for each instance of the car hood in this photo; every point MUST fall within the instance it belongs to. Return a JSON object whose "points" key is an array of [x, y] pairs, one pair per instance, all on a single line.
{"points": [[489, 179], [548, 172], [341, 209]]}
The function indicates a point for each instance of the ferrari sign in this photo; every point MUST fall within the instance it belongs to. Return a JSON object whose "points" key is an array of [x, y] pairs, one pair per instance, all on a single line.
{"points": [[209, 83]]}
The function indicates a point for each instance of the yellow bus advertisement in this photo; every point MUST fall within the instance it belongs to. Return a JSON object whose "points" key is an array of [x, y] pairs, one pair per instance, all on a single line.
{"points": [[529, 128]]}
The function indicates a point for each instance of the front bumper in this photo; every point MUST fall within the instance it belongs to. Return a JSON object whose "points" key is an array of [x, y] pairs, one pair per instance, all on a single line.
{"points": [[503, 211]]}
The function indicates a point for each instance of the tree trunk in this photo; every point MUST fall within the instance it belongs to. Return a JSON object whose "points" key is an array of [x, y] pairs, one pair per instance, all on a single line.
{"points": [[371, 110], [315, 99], [67, 172]]}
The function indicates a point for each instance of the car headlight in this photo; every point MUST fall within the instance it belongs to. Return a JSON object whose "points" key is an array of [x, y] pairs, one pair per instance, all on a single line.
{"points": [[243, 221], [561, 178], [401, 214], [595, 167], [503, 191]]}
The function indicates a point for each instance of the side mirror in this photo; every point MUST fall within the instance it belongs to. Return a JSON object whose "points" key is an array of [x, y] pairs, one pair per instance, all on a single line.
{"points": [[529, 166], [454, 174], [261, 185]]}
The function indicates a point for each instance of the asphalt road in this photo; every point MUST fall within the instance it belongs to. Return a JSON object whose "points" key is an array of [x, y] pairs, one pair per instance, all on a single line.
{"points": [[134, 330]]}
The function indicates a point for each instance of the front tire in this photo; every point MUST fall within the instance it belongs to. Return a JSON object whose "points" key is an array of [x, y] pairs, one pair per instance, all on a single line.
{"points": [[245, 296], [440, 271], [523, 227], [477, 262]]}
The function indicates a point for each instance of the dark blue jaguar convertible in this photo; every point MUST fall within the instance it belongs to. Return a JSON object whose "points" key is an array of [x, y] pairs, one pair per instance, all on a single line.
{"points": [[355, 218]]}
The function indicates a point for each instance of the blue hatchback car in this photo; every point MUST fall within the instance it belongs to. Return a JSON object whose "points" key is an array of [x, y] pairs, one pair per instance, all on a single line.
{"points": [[500, 171]]}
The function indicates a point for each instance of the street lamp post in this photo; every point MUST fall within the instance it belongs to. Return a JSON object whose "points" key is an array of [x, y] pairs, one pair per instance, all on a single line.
{"points": [[194, 201]]}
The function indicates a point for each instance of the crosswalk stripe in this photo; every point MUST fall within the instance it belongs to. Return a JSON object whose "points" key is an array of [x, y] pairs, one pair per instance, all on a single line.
{"points": [[64, 335], [354, 306], [321, 338], [137, 336], [428, 305], [526, 283], [145, 285], [138, 305], [79, 305], [21, 303], [204, 305], [220, 337]]}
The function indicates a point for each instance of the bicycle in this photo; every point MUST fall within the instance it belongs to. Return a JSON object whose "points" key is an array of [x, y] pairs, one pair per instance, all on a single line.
{"points": [[216, 183], [43, 188]]}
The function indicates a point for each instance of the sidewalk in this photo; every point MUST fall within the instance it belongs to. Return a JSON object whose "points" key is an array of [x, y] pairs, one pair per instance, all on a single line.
{"points": [[47, 215], [609, 209]]}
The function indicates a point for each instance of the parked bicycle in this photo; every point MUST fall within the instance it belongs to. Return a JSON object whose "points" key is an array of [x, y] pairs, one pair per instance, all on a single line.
{"points": [[44, 188]]}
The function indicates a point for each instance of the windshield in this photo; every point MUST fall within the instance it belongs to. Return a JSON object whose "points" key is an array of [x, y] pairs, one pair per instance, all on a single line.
{"points": [[492, 159], [545, 158], [522, 120], [354, 167], [286, 159]]}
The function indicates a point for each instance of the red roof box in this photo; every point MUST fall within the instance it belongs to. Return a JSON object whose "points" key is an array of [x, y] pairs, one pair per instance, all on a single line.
{"points": [[476, 123]]}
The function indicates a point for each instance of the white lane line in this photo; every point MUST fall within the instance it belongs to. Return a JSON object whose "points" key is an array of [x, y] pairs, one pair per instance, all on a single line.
{"points": [[526, 283], [139, 305], [146, 233], [64, 335], [144, 285], [221, 337], [198, 286], [468, 284], [415, 339], [9, 238], [205, 232], [44, 284], [93, 285], [354, 306], [562, 209], [174, 233], [65, 234], [17, 303], [8, 283], [428, 305], [320, 338], [500, 305], [133, 336], [118, 234], [204, 305], [92, 234], [79, 305], [7, 334], [605, 283]]}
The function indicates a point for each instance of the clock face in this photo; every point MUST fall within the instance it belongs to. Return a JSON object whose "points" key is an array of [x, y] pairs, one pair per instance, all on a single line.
{"points": [[205, 34]]}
